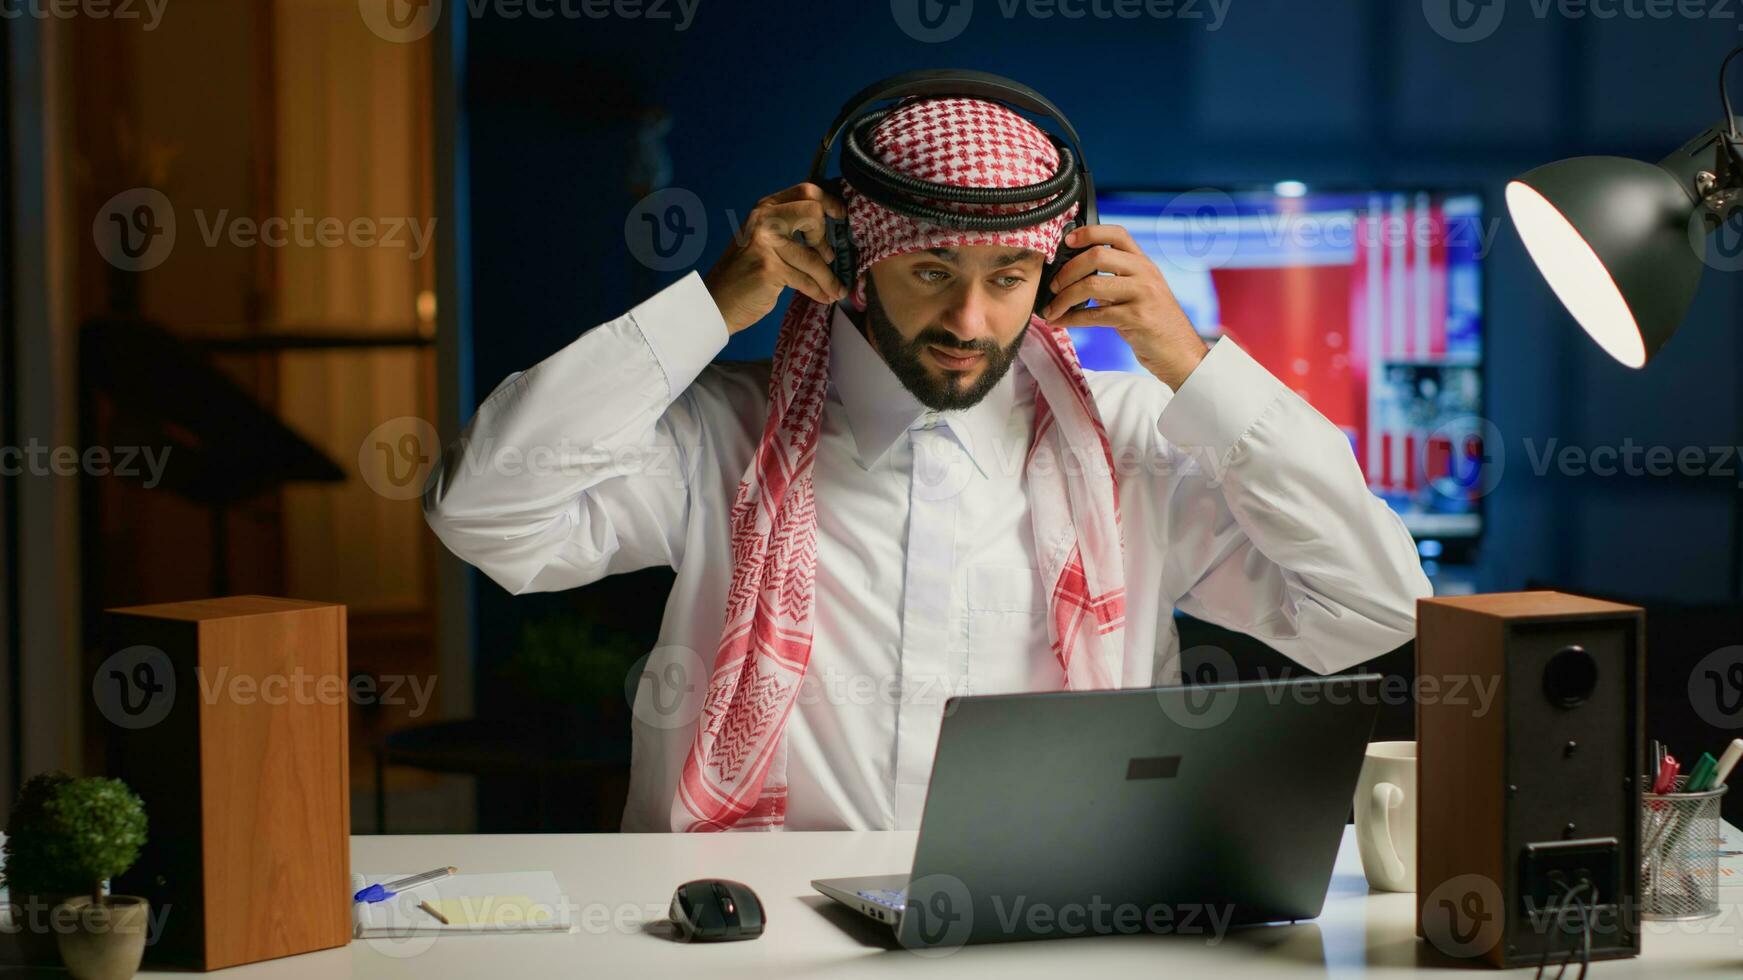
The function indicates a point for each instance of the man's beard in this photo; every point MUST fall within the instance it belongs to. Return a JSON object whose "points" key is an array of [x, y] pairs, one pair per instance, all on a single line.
{"points": [[903, 357]]}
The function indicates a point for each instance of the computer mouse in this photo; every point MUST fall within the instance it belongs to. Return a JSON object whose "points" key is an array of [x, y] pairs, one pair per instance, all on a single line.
{"points": [[716, 910]]}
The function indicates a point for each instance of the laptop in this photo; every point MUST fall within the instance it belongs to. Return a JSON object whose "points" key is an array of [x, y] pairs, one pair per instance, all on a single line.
{"points": [[1179, 809]]}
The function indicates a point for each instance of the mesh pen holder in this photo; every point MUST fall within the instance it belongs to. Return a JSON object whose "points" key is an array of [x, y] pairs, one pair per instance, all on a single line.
{"points": [[1679, 853]]}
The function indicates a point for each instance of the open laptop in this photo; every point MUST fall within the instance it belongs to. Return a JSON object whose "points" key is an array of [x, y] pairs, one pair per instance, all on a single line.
{"points": [[1181, 809]]}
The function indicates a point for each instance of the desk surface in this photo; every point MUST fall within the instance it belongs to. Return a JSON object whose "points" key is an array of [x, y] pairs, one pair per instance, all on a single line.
{"points": [[621, 884]]}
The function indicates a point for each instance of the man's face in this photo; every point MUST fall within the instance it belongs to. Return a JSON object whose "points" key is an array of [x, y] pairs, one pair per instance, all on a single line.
{"points": [[949, 321]]}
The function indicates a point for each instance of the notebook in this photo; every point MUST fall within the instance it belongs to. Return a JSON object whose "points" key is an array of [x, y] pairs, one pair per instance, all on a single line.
{"points": [[504, 902]]}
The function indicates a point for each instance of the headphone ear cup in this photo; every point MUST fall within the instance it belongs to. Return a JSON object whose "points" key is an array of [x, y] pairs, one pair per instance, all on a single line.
{"points": [[846, 255], [840, 237]]}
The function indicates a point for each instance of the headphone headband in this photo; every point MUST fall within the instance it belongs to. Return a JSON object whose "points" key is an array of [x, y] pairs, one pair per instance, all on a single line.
{"points": [[965, 82], [888, 187]]}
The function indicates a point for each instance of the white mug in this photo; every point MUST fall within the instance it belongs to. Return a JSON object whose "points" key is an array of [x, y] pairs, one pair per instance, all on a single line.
{"points": [[1386, 816]]}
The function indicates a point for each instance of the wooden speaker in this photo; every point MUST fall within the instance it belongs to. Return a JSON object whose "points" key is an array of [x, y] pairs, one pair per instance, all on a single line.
{"points": [[1528, 719], [228, 717]]}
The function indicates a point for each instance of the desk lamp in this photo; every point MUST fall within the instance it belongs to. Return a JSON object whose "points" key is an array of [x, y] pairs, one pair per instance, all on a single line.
{"points": [[1622, 241]]}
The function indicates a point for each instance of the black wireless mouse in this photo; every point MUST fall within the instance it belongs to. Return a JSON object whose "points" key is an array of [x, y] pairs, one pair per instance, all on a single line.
{"points": [[716, 910]]}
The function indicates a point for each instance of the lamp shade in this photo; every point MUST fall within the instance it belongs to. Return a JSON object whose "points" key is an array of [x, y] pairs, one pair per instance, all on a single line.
{"points": [[1611, 235]]}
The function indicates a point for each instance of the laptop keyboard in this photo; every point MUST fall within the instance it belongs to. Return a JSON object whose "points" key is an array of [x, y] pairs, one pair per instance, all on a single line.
{"points": [[889, 898]]}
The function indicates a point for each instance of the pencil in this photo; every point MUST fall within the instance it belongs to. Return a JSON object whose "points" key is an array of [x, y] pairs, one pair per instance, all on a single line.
{"points": [[427, 907]]}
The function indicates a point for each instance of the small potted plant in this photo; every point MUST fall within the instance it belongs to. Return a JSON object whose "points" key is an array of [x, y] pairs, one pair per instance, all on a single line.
{"points": [[65, 837], [34, 887]]}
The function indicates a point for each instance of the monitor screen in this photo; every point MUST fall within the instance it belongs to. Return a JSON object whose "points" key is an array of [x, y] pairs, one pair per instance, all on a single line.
{"points": [[1367, 303]]}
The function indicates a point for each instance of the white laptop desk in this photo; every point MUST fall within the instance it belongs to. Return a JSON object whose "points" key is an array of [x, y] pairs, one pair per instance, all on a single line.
{"points": [[620, 886]]}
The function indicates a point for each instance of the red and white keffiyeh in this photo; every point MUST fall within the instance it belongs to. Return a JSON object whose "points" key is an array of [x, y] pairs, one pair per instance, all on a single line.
{"points": [[734, 776]]}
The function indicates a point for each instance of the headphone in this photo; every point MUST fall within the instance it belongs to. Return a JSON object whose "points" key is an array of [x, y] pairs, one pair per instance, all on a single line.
{"points": [[1070, 184]]}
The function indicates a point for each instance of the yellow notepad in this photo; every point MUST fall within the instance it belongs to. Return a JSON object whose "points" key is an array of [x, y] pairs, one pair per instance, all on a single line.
{"points": [[501, 902], [496, 911]]}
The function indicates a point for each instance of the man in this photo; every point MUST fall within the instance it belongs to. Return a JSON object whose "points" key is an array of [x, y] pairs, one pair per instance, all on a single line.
{"points": [[922, 495]]}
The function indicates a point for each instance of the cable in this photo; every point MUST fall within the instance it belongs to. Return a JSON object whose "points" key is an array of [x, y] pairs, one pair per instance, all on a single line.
{"points": [[1725, 96], [1561, 910], [1586, 931], [1549, 940]]}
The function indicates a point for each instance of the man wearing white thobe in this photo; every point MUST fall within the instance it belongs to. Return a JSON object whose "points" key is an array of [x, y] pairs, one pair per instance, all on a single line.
{"points": [[1239, 503]]}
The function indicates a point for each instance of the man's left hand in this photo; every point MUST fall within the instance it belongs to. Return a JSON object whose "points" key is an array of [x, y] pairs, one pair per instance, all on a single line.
{"points": [[1134, 299]]}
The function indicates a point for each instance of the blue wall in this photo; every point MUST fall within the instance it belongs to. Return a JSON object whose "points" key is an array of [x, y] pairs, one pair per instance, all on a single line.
{"points": [[1333, 91]]}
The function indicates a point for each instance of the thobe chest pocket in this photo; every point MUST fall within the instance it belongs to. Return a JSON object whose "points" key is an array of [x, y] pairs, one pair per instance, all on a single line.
{"points": [[1007, 631]]}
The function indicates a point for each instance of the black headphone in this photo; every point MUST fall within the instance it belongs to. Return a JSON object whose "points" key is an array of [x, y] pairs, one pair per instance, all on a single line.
{"points": [[1070, 184]]}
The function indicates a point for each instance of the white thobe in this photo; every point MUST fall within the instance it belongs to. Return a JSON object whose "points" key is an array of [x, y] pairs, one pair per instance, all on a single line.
{"points": [[1240, 504]]}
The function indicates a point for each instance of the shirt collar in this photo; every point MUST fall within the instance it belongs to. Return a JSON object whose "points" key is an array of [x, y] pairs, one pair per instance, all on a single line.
{"points": [[879, 409]]}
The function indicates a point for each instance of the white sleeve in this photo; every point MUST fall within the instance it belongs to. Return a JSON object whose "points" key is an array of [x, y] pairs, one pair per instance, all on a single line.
{"points": [[1272, 529], [579, 467]]}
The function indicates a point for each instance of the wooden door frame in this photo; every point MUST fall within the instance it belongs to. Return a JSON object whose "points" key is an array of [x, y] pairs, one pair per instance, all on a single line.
{"points": [[45, 702], [456, 591]]}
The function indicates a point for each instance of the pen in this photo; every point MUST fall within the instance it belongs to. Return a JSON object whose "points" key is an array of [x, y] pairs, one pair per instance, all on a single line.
{"points": [[385, 890]]}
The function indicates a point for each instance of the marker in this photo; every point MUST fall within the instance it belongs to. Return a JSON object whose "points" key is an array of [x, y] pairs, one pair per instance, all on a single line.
{"points": [[1701, 776], [1666, 775], [1728, 761]]}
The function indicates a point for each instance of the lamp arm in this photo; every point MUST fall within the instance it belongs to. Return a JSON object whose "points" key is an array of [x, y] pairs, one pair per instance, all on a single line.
{"points": [[1716, 181], [1709, 168]]}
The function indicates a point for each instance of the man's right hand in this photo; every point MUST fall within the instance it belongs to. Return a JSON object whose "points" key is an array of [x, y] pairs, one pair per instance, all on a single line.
{"points": [[767, 256]]}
